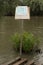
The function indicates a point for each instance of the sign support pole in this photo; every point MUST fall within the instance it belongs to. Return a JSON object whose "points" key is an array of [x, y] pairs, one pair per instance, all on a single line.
{"points": [[21, 38]]}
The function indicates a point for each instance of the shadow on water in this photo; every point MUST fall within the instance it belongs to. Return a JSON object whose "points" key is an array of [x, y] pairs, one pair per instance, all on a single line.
{"points": [[9, 26]]}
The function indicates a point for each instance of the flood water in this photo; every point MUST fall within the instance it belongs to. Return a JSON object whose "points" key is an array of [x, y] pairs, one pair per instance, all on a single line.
{"points": [[9, 26]]}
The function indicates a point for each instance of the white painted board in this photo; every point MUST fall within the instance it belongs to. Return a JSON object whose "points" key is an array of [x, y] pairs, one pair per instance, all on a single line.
{"points": [[22, 12]]}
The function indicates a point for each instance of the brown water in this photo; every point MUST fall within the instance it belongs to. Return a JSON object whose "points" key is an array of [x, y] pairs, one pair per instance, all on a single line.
{"points": [[9, 26]]}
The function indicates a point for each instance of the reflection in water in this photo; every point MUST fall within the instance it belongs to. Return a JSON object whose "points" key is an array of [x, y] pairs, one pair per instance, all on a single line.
{"points": [[9, 26]]}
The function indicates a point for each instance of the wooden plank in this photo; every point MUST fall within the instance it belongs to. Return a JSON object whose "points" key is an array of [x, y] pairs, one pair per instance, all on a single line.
{"points": [[21, 62], [31, 62], [13, 61]]}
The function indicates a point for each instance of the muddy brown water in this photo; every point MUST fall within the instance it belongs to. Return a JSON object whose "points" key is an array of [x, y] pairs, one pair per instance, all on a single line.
{"points": [[9, 26]]}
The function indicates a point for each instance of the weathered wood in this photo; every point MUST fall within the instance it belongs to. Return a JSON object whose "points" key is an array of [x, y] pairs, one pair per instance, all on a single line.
{"points": [[13, 61], [31, 62], [21, 62]]}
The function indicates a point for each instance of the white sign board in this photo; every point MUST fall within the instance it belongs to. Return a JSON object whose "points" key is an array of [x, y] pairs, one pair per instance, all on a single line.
{"points": [[22, 12]]}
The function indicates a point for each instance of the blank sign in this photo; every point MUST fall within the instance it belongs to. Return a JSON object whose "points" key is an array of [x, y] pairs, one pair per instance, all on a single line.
{"points": [[22, 12]]}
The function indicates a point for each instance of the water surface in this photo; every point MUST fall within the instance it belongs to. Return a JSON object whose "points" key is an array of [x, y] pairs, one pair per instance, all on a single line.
{"points": [[9, 26]]}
